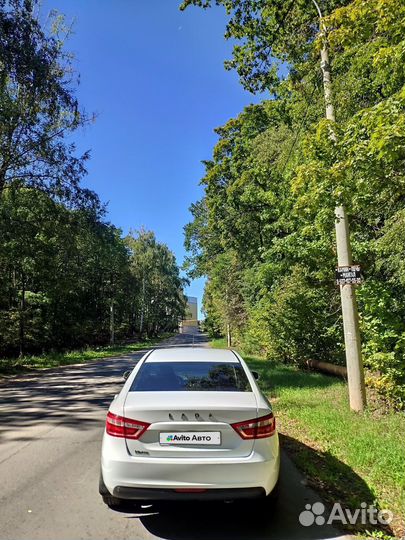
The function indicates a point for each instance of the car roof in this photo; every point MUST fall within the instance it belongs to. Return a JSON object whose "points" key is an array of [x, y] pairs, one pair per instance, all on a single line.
{"points": [[192, 354]]}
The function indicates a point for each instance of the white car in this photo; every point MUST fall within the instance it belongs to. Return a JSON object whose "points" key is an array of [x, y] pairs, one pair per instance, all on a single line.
{"points": [[189, 424]]}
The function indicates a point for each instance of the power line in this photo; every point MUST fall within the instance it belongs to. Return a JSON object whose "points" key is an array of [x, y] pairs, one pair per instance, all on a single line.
{"points": [[300, 128]]}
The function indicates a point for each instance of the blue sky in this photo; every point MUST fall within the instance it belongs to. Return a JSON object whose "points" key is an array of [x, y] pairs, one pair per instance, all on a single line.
{"points": [[155, 78]]}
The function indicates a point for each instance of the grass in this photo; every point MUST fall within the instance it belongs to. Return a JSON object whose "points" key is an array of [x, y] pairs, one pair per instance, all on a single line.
{"points": [[349, 457], [10, 366]]}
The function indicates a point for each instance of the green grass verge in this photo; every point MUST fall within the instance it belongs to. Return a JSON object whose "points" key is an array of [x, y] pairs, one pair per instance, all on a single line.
{"points": [[9, 366], [219, 343], [349, 457]]}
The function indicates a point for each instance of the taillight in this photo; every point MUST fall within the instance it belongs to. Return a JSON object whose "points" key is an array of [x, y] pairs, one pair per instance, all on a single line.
{"points": [[118, 426], [257, 428]]}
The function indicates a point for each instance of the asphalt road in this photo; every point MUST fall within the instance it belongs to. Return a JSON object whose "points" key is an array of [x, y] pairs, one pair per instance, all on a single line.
{"points": [[51, 428]]}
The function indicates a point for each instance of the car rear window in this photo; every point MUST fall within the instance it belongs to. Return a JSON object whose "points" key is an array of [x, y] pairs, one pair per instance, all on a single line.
{"points": [[191, 377]]}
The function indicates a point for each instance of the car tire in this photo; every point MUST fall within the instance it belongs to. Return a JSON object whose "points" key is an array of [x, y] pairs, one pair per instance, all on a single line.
{"points": [[274, 494], [112, 502], [264, 508]]}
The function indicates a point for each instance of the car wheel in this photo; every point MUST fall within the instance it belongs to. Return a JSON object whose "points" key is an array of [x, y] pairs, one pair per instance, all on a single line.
{"points": [[274, 494], [119, 505], [264, 508], [108, 499], [113, 502]]}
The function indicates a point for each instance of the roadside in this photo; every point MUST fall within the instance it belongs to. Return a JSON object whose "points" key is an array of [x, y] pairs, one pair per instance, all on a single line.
{"points": [[350, 458], [9, 367]]}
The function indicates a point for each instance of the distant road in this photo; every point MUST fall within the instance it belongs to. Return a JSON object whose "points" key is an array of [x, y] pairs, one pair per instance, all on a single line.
{"points": [[51, 428]]}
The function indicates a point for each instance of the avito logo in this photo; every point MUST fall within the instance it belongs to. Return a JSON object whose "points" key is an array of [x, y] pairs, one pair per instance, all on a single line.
{"points": [[366, 514]]}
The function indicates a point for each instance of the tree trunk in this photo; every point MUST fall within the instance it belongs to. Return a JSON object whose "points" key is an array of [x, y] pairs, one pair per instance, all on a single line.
{"points": [[22, 317], [142, 306], [228, 335], [112, 329], [2, 180]]}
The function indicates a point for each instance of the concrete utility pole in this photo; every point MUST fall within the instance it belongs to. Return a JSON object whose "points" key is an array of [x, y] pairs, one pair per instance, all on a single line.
{"points": [[355, 373]]}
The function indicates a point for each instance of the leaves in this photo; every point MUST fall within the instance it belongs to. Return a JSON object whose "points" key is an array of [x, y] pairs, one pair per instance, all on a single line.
{"points": [[69, 267], [276, 176], [38, 109], [68, 277]]}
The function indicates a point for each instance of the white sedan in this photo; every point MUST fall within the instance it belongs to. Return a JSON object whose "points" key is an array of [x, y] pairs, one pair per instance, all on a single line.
{"points": [[189, 424]]}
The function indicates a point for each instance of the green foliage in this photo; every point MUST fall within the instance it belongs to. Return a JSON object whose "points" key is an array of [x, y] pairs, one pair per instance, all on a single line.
{"points": [[54, 358], [223, 298], [384, 339], [159, 301], [38, 107], [68, 278], [293, 320], [277, 174], [269, 33]]}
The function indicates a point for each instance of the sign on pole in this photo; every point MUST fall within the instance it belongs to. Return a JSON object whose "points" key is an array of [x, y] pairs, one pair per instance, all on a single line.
{"points": [[348, 275]]}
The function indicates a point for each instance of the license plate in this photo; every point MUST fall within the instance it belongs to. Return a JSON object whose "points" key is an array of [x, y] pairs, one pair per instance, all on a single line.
{"points": [[208, 438]]}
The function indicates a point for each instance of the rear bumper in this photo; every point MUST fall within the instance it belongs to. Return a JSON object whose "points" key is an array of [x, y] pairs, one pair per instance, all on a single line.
{"points": [[126, 476], [145, 494]]}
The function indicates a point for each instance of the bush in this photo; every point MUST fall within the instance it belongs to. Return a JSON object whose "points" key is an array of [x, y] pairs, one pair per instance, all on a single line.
{"points": [[293, 323], [384, 340]]}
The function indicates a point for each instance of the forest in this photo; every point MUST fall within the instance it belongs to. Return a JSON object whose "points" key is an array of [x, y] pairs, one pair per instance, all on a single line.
{"points": [[69, 278], [263, 233]]}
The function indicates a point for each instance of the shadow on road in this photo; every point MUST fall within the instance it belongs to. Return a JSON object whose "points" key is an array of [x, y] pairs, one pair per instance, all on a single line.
{"points": [[249, 521], [230, 522], [76, 396], [339, 483]]}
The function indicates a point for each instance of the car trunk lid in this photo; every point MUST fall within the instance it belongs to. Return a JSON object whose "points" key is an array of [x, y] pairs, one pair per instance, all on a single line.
{"points": [[190, 424]]}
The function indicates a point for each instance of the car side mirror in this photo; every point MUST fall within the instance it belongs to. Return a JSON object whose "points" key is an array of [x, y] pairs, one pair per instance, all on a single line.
{"points": [[126, 374], [256, 375]]}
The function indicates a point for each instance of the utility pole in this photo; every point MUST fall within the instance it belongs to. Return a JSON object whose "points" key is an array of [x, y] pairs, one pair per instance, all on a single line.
{"points": [[355, 373]]}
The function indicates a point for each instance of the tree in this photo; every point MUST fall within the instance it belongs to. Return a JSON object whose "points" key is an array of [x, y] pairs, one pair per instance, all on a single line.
{"points": [[275, 177], [158, 300], [38, 109], [271, 34], [69, 279]]}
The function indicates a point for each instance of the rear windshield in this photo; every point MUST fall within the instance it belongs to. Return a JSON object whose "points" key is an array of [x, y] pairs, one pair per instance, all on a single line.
{"points": [[191, 377]]}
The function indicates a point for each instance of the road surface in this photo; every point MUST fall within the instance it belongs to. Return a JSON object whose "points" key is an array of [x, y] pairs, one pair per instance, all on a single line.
{"points": [[51, 428]]}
